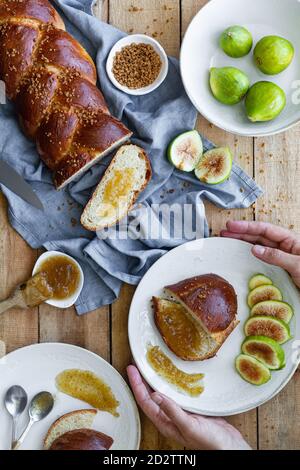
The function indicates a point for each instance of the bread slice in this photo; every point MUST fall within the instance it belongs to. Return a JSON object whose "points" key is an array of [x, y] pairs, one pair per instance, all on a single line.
{"points": [[183, 334], [69, 422], [125, 178], [180, 331]]}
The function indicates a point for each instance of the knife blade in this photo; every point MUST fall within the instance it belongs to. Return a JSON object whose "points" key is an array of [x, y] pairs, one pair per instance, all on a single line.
{"points": [[13, 181]]}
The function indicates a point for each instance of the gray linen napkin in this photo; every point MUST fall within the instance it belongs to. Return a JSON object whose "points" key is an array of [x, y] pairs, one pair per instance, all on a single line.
{"points": [[109, 259]]}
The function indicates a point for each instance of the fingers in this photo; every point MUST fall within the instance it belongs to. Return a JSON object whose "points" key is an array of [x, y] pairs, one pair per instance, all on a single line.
{"points": [[277, 258], [142, 393], [180, 418], [249, 238], [262, 229]]}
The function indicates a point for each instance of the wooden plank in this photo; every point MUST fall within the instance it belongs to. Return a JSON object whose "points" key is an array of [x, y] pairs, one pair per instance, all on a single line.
{"points": [[243, 150], [160, 19], [100, 9], [278, 171], [157, 18], [18, 328], [90, 331]]}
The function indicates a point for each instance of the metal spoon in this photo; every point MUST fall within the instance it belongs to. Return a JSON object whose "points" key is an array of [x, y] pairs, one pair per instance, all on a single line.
{"points": [[15, 402], [41, 405]]}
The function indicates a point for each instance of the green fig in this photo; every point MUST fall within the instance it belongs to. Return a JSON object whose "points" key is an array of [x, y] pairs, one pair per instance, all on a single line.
{"points": [[263, 293], [259, 280], [273, 308], [185, 151], [264, 101], [265, 350], [214, 166], [271, 327], [252, 370], [236, 41], [229, 85], [273, 54]]}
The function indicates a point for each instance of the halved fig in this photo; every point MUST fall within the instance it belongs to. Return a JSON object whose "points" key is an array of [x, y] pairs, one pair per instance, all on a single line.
{"points": [[259, 280], [215, 166], [268, 326], [251, 370], [263, 293], [185, 151], [273, 308], [265, 350]]}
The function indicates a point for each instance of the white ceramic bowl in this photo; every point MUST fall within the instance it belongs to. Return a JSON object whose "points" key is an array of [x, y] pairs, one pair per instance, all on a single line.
{"points": [[138, 38], [68, 302], [200, 51]]}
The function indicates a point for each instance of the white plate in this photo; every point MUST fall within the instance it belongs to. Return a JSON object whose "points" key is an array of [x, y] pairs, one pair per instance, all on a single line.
{"points": [[201, 51], [35, 368], [226, 393]]}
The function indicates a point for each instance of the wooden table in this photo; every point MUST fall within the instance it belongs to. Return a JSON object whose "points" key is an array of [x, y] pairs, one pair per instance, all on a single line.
{"points": [[275, 164]]}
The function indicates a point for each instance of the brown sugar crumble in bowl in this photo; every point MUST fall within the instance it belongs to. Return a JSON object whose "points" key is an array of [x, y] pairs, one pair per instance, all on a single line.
{"points": [[137, 65]]}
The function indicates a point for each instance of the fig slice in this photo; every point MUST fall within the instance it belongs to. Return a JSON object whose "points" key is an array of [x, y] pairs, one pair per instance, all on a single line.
{"points": [[252, 370], [259, 280], [262, 293], [185, 151], [273, 308], [215, 166], [265, 350], [268, 326]]}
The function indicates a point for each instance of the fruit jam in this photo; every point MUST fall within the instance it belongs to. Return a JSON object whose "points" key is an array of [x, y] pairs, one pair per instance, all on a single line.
{"points": [[88, 387], [165, 368], [62, 275]]}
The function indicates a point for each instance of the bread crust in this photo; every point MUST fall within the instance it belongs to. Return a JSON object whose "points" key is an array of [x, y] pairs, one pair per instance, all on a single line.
{"points": [[82, 439], [39, 10], [148, 176], [66, 416], [52, 80], [209, 298]]}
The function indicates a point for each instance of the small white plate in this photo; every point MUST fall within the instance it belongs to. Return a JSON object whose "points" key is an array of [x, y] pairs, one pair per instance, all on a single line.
{"points": [[65, 303], [226, 393], [200, 51], [35, 368], [138, 38]]}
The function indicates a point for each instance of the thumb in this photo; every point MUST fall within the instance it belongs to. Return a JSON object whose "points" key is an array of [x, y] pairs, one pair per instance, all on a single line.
{"points": [[277, 258], [173, 411]]}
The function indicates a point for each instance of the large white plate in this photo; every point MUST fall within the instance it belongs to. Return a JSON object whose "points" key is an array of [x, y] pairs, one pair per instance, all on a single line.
{"points": [[35, 368], [225, 392], [201, 51]]}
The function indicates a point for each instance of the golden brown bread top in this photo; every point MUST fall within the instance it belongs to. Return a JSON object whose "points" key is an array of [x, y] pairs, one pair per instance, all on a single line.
{"points": [[39, 10], [82, 439], [210, 298], [59, 49], [52, 78]]}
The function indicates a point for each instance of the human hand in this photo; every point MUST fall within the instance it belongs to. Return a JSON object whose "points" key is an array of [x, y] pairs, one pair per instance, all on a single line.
{"points": [[192, 431], [272, 244]]}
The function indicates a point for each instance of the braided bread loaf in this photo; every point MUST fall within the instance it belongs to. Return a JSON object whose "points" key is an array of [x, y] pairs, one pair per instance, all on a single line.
{"points": [[52, 80]]}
